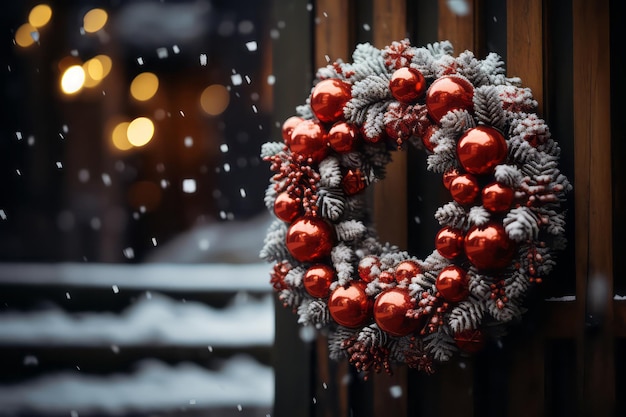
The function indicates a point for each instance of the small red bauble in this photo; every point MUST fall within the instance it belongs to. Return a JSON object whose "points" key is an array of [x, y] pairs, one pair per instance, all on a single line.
{"points": [[390, 310], [449, 93], [464, 189], [407, 84], [407, 270], [317, 280], [470, 340], [353, 182], [308, 139], [488, 247], [497, 198], [287, 208], [448, 176], [449, 242], [310, 238], [288, 126], [369, 268], [328, 99], [342, 137], [430, 130], [480, 149], [452, 283], [350, 306]]}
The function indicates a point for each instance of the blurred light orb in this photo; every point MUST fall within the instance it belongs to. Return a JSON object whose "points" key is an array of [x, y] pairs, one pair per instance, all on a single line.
{"points": [[144, 86], [25, 35], [73, 79], [40, 15], [140, 131], [94, 20], [214, 99], [93, 72], [119, 137]]}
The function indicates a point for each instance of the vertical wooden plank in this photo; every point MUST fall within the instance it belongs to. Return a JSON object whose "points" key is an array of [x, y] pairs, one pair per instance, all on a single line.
{"points": [[458, 25], [593, 203], [390, 206]]}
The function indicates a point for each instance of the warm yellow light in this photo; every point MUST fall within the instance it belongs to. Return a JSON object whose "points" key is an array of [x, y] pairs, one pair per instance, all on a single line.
{"points": [[140, 131], [73, 79], [106, 63], [25, 35], [40, 15], [119, 137], [93, 72], [144, 86], [94, 20], [214, 99]]}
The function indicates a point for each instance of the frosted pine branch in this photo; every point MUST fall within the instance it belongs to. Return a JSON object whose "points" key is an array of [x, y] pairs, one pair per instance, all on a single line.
{"points": [[342, 258], [331, 203], [271, 148], [451, 214], [270, 197], [508, 175], [441, 345], [478, 216], [521, 224], [350, 230], [455, 121], [467, 315], [294, 276], [488, 107], [330, 172], [314, 312], [274, 248]]}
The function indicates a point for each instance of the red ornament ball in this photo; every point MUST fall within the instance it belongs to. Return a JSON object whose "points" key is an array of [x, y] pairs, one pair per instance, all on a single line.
{"points": [[308, 139], [497, 198], [287, 208], [310, 238], [407, 270], [350, 306], [328, 99], [464, 189], [407, 84], [452, 283], [390, 310], [342, 137], [353, 182], [448, 176], [470, 340], [369, 268], [488, 247], [317, 280], [449, 93], [288, 126], [480, 149], [430, 130], [449, 242]]}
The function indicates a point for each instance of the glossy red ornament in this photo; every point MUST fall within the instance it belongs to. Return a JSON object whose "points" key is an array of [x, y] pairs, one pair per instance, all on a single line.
{"points": [[369, 268], [407, 84], [310, 238], [350, 306], [390, 310], [342, 137], [488, 247], [430, 130], [328, 99], [287, 208], [497, 198], [448, 176], [470, 340], [308, 139], [288, 126], [407, 270], [449, 93], [449, 242], [317, 280], [480, 149], [464, 189], [353, 182], [452, 283]]}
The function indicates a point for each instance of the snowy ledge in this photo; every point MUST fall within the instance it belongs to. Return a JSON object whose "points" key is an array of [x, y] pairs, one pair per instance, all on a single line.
{"points": [[155, 276]]}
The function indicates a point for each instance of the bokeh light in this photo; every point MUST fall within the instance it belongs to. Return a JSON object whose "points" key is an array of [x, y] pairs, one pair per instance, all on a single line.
{"points": [[25, 35], [214, 99], [119, 137], [94, 20], [93, 72], [144, 86], [40, 15], [73, 79], [140, 131]]}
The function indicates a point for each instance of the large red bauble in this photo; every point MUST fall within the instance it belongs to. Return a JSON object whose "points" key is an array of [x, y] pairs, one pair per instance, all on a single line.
{"points": [[488, 247], [470, 340], [497, 197], [480, 149], [328, 99], [449, 242], [464, 189], [390, 310], [317, 280], [449, 93], [342, 137], [308, 139], [350, 306], [288, 126], [407, 270], [452, 283], [310, 238], [407, 84], [287, 208]]}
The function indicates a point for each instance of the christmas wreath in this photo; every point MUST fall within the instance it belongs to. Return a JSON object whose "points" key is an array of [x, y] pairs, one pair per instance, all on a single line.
{"points": [[379, 305]]}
